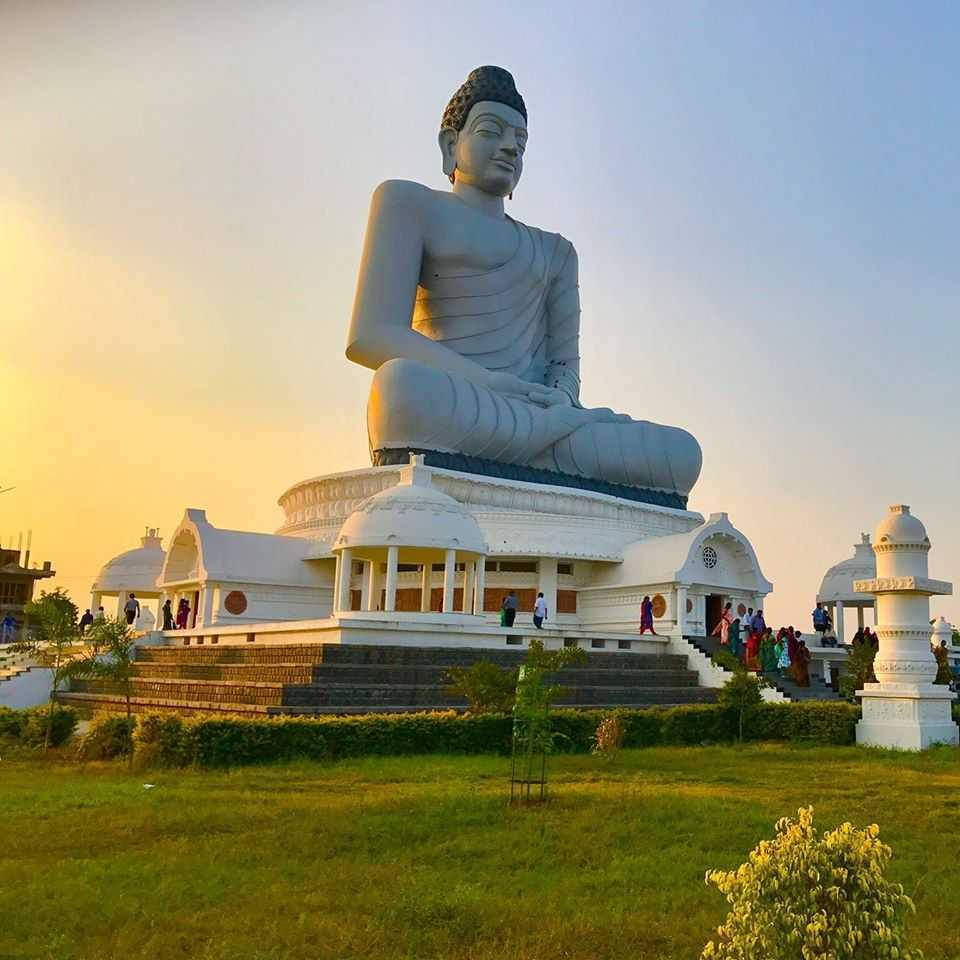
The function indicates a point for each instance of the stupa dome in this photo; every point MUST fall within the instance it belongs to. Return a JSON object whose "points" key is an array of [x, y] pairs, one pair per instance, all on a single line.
{"points": [[412, 514], [942, 631], [837, 583], [899, 526], [135, 570]]}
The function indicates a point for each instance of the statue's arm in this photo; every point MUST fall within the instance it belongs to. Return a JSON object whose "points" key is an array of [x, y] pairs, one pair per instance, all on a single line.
{"points": [[381, 328], [563, 327]]}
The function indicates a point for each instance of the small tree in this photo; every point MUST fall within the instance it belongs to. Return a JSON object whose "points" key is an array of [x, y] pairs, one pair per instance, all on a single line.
{"points": [[532, 734], [741, 693], [117, 646], [804, 897], [608, 737], [486, 687], [51, 638], [859, 670]]}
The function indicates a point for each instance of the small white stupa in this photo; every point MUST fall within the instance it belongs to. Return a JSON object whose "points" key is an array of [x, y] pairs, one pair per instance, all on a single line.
{"points": [[904, 709], [131, 572]]}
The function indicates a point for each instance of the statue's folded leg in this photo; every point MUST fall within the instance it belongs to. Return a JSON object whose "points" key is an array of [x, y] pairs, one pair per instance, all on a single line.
{"points": [[415, 406], [636, 453]]}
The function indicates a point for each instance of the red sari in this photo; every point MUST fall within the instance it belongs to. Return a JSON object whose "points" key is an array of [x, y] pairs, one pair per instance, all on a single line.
{"points": [[753, 651]]}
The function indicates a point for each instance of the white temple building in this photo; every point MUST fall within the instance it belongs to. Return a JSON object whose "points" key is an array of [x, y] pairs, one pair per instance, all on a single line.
{"points": [[132, 572], [416, 554]]}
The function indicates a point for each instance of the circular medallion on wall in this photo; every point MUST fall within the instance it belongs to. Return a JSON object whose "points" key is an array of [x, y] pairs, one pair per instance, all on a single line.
{"points": [[659, 606], [689, 605], [710, 557], [236, 602], [741, 609]]}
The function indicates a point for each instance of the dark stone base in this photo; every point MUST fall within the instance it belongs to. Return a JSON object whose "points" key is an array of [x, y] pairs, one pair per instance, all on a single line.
{"points": [[396, 456]]}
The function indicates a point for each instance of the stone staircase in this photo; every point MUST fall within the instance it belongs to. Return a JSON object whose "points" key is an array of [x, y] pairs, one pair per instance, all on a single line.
{"points": [[816, 691], [339, 679], [12, 664]]}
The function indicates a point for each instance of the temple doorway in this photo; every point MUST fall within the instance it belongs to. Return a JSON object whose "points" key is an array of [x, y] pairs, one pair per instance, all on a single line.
{"points": [[714, 609]]}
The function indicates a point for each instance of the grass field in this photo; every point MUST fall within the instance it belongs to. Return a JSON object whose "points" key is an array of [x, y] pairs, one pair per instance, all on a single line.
{"points": [[421, 857]]}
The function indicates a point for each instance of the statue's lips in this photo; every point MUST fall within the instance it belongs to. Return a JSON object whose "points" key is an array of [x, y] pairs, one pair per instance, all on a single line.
{"points": [[504, 163]]}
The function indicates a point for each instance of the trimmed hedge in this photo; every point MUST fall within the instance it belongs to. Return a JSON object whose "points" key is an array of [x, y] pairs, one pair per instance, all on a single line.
{"points": [[29, 726], [172, 740], [110, 735]]}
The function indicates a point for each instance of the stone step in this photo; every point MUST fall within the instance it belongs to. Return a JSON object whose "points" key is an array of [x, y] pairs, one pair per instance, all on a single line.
{"points": [[117, 704], [381, 673], [384, 655]]}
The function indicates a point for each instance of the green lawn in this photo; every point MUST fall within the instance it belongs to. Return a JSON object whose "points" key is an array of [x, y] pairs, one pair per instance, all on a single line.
{"points": [[421, 857]]}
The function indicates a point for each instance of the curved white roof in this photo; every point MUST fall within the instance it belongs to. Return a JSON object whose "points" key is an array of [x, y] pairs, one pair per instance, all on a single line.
{"points": [[837, 583], [942, 631], [135, 570], [900, 526], [714, 553], [200, 551], [412, 514]]}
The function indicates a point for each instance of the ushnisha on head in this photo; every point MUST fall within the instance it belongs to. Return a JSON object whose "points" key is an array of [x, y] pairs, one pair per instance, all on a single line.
{"points": [[483, 133]]}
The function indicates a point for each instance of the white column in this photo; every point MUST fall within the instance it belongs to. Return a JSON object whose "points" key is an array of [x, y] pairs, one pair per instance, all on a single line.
{"points": [[681, 601], [365, 585], [122, 597], [468, 570], [95, 601], [336, 584], [547, 584], [838, 623], [373, 585], [206, 599], [860, 617], [343, 585], [479, 586], [393, 554], [426, 583], [449, 576]]}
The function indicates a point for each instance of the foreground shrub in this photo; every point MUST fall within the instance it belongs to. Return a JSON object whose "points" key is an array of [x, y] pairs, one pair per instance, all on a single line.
{"points": [[172, 740], [109, 736], [30, 727], [811, 898], [486, 687], [608, 738]]}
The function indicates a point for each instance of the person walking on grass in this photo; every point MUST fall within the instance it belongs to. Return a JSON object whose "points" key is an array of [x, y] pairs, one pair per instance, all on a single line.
{"points": [[539, 611], [646, 616]]}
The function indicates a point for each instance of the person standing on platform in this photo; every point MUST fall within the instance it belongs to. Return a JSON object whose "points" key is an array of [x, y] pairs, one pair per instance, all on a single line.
{"points": [[801, 665], [539, 611], [646, 616], [183, 613], [820, 620], [131, 609], [735, 636], [759, 624], [167, 615], [722, 629], [768, 653], [510, 609], [783, 655]]}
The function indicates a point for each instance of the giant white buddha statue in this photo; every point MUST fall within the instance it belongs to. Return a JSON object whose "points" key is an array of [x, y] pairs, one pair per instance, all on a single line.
{"points": [[471, 320]]}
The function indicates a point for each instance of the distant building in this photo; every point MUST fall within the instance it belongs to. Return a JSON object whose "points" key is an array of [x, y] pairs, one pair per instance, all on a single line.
{"points": [[16, 582]]}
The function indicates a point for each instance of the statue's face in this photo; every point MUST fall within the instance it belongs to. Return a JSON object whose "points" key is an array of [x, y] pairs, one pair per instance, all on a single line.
{"points": [[489, 149]]}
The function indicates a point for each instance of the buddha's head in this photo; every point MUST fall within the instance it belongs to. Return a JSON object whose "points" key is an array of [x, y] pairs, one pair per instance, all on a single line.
{"points": [[483, 133]]}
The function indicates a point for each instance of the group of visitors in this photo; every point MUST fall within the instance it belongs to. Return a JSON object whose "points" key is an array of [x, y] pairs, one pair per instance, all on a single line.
{"points": [[510, 604], [183, 615], [88, 619], [747, 637]]}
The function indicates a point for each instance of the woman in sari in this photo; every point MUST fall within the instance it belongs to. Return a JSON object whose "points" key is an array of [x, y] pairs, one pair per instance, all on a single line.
{"points": [[792, 645], [753, 651], [768, 654], [783, 656], [801, 669], [722, 629], [734, 635]]}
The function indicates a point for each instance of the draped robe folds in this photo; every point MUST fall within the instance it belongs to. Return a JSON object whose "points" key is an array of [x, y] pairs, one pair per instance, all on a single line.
{"points": [[522, 318]]}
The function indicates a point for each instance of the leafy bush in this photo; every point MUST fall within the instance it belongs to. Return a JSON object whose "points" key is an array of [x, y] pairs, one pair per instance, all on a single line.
{"points": [[723, 658], [608, 738], [29, 727], [110, 735], [172, 740], [486, 687], [810, 898]]}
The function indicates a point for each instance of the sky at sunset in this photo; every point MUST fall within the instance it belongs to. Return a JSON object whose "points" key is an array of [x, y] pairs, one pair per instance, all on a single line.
{"points": [[764, 198]]}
